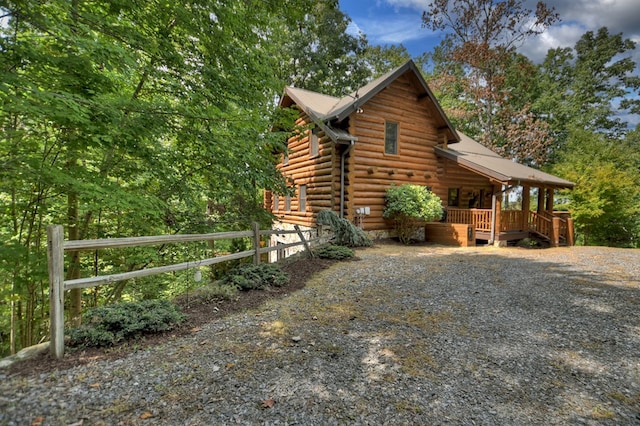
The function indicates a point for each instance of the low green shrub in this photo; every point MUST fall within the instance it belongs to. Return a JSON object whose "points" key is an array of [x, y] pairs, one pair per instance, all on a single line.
{"points": [[214, 292], [107, 325], [334, 252], [252, 277]]}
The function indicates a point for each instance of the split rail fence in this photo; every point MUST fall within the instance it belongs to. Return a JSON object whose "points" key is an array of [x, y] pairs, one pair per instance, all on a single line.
{"points": [[57, 246]]}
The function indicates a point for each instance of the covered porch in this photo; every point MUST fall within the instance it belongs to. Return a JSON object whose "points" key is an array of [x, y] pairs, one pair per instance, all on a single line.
{"points": [[501, 223], [512, 225]]}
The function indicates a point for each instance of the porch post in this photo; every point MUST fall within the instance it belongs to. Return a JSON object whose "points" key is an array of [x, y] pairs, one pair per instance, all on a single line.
{"points": [[555, 231], [550, 201], [540, 208], [526, 205]]}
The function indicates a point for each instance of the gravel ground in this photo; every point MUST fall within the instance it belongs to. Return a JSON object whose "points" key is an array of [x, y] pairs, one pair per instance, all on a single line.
{"points": [[406, 335]]}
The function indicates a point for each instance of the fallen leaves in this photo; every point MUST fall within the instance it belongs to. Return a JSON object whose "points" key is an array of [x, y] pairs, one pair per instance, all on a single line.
{"points": [[268, 403]]}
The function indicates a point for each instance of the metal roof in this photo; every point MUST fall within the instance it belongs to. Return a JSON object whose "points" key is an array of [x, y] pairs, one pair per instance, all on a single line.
{"points": [[329, 109], [479, 159]]}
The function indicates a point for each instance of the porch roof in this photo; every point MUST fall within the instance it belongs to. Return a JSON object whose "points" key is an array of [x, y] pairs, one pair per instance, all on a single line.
{"points": [[481, 160]]}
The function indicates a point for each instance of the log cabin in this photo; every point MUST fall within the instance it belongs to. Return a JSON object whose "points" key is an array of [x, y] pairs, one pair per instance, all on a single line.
{"points": [[348, 151]]}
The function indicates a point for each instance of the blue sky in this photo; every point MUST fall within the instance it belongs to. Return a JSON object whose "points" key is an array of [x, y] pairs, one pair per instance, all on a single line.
{"points": [[399, 21]]}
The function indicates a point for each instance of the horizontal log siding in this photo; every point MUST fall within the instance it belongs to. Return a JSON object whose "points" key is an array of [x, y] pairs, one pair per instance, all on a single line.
{"points": [[454, 176], [375, 171], [317, 173]]}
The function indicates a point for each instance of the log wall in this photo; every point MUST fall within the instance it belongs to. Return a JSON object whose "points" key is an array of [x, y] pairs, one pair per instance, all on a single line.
{"points": [[316, 172], [372, 171]]}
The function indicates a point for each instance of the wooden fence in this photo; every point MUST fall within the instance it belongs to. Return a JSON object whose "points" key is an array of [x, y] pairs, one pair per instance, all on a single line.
{"points": [[56, 246]]}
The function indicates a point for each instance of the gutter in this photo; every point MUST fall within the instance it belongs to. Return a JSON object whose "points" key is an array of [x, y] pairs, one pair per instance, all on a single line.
{"points": [[342, 157]]}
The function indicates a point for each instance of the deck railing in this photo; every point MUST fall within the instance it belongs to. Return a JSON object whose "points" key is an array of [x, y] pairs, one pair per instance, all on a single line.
{"points": [[513, 220], [479, 218]]}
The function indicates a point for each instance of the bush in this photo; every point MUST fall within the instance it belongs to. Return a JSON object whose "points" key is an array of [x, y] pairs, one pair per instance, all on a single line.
{"points": [[346, 233], [250, 276], [214, 292], [107, 325], [334, 252], [409, 206]]}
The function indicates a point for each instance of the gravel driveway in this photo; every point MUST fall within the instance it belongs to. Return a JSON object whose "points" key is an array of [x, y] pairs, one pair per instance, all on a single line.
{"points": [[406, 335]]}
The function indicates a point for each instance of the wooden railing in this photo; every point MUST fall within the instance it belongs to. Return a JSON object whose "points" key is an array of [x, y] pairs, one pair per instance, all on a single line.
{"points": [[479, 218], [513, 220], [58, 285], [541, 223]]}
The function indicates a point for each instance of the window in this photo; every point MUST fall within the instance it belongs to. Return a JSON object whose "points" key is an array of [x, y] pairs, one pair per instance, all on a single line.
{"points": [[302, 198], [313, 142], [390, 137], [453, 200], [276, 202], [285, 157], [287, 203]]}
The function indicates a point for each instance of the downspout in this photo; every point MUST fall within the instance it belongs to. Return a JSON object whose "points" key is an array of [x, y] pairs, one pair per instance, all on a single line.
{"points": [[342, 157]]}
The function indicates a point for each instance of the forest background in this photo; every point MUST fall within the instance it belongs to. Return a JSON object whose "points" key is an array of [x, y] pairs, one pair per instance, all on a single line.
{"points": [[128, 118]]}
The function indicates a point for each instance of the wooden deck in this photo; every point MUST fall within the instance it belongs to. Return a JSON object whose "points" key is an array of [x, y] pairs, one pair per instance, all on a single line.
{"points": [[512, 225]]}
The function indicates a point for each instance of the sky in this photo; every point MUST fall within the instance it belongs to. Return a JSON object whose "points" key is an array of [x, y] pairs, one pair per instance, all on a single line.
{"points": [[393, 22]]}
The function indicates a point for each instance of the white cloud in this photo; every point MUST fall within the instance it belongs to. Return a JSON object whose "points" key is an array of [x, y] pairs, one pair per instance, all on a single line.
{"points": [[409, 4]]}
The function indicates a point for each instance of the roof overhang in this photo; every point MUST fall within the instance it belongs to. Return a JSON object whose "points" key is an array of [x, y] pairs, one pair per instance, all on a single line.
{"points": [[502, 170]]}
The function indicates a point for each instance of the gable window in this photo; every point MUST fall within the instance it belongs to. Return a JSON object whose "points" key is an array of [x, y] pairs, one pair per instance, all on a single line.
{"points": [[313, 142], [453, 199], [302, 198], [390, 137]]}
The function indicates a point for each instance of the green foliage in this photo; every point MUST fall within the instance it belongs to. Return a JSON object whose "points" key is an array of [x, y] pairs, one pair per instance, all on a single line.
{"points": [[335, 252], [409, 206], [215, 291], [605, 202], [256, 277], [107, 325], [127, 119], [590, 86], [345, 232]]}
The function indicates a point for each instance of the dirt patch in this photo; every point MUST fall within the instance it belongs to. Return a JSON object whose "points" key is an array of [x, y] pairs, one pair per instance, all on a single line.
{"points": [[198, 314]]}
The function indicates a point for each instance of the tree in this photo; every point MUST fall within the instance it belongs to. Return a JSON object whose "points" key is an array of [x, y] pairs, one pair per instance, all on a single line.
{"points": [[481, 41], [123, 119], [605, 202], [408, 206], [317, 52], [591, 86]]}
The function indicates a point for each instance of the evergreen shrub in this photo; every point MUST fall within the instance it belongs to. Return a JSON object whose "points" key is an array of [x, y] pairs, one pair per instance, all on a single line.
{"points": [[334, 252], [107, 325], [346, 233], [253, 277]]}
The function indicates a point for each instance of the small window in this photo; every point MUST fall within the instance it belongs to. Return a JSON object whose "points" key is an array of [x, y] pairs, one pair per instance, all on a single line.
{"points": [[453, 200], [287, 203], [313, 142], [276, 202], [302, 198], [390, 137]]}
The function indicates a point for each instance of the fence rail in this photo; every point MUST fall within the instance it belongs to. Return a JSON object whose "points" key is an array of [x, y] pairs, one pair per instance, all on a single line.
{"points": [[56, 246]]}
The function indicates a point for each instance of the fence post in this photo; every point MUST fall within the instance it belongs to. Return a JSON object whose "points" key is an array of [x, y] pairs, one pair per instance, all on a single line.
{"points": [[55, 254], [256, 243], [306, 244]]}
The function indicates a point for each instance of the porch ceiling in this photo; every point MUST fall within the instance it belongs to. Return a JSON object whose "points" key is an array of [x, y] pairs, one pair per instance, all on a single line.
{"points": [[481, 160]]}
